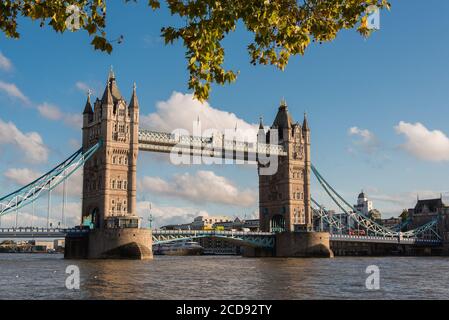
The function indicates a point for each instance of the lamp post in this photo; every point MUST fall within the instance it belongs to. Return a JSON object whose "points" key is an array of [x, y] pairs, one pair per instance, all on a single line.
{"points": [[150, 217]]}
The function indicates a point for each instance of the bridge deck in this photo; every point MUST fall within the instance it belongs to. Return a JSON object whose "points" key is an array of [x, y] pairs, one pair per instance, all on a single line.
{"points": [[215, 146], [162, 236]]}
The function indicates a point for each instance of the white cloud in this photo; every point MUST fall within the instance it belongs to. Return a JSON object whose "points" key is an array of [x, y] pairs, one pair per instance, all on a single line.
{"points": [[74, 143], [423, 143], [12, 91], [366, 140], [393, 204], [72, 216], [54, 113], [204, 186], [181, 111], [82, 86], [94, 86], [5, 63], [49, 111], [23, 176], [73, 120], [30, 143], [167, 215]]}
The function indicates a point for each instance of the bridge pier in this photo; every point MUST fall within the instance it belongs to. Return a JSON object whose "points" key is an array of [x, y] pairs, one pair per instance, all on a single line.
{"points": [[296, 244], [303, 244], [126, 243], [349, 248]]}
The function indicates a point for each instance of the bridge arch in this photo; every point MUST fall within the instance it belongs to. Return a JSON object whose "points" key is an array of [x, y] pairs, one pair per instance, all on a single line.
{"points": [[92, 218]]}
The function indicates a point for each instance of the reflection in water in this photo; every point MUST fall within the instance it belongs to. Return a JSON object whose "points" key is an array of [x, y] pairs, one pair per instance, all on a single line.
{"points": [[41, 276]]}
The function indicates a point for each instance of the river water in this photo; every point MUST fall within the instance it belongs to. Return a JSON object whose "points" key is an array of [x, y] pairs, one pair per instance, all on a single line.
{"points": [[42, 276]]}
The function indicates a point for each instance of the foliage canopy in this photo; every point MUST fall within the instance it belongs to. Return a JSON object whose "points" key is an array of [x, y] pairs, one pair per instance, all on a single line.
{"points": [[281, 28]]}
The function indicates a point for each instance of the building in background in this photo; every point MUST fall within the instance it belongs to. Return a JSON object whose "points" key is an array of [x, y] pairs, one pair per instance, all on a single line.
{"points": [[238, 225], [206, 222], [425, 211], [216, 246], [184, 226], [390, 223], [218, 223], [363, 204]]}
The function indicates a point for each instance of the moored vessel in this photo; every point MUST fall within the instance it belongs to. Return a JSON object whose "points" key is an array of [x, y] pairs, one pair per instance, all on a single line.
{"points": [[178, 248]]}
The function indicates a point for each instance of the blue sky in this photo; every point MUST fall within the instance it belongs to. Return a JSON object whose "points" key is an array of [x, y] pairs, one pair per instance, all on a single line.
{"points": [[378, 107]]}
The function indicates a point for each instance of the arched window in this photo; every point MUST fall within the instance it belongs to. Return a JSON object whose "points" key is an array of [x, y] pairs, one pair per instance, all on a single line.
{"points": [[119, 184], [114, 160], [113, 184], [125, 184]]}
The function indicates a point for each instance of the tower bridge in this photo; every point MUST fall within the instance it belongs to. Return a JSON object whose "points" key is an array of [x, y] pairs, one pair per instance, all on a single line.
{"points": [[112, 140]]}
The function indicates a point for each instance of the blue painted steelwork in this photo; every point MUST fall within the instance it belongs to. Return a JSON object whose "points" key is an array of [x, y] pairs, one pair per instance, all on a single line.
{"points": [[253, 239], [331, 220], [35, 232], [50, 180], [369, 224]]}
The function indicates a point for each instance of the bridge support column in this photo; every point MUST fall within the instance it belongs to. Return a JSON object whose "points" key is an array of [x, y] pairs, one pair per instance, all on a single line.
{"points": [[303, 244], [125, 243], [295, 244], [251, 252]]}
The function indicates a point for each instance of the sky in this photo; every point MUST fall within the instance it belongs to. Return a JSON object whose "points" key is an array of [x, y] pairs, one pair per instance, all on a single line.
{"points": [[378, 109]]}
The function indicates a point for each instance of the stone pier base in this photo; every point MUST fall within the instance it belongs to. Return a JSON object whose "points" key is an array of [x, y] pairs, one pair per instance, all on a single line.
{"points": [[303, 244], [295, 244], [127, 243]]}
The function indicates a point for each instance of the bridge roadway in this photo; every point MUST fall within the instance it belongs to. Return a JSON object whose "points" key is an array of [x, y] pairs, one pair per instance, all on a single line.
{"points": [[257, 239]]}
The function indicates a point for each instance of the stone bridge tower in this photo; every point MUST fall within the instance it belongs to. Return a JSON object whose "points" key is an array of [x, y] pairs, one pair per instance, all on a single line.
{"points": [[109, 186], [109, 180], [284, 197]]}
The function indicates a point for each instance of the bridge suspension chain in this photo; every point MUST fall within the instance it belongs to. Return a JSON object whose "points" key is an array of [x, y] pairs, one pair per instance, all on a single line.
{"points": [[47, 182], [323, 214], [366, 222]]}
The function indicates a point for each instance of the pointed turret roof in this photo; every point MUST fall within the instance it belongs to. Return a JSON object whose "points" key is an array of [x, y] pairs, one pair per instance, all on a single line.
{"points": [[111, 92], [261, 124], [134, 103], [283, 119], [305, 124], [88, 107]]}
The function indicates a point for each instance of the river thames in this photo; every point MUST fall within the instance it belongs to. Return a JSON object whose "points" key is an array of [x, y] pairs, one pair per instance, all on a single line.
{"points": [[42, 276]]}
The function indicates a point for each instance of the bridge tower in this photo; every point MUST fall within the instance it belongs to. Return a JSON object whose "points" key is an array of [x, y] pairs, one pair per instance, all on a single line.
{"points": [[284, 197], [109, 180], [109, 177]]}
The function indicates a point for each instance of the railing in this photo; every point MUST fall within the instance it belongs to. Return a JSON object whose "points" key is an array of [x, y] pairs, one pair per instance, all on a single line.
{"points": [[344, 237], [37, 230], [210, 232], [32, 229]]}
